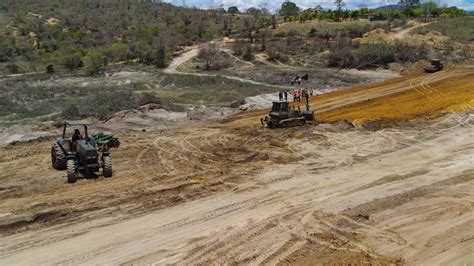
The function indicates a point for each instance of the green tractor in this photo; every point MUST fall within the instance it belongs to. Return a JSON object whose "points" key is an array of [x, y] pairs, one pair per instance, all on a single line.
{"points": [[80, 153], [282, 115]]}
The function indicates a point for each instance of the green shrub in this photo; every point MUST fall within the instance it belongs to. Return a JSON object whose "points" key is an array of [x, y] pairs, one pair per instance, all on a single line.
{"points": [[146, 98], [238, 48], [375, 53], [274, 55], [117, 52], [248, 53], [104, 103], [341, 57], [411, 53], [71, 111], [72, 61], [94, 63], [313, 32], [13, 68], [341, 54]]}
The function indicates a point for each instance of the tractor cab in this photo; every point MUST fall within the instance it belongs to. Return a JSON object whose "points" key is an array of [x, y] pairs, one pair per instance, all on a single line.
{"points": [[70, 126], [72, 143]]}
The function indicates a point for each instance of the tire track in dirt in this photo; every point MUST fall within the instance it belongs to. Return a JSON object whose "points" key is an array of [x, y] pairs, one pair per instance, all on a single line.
{"points": [[263, 219]]}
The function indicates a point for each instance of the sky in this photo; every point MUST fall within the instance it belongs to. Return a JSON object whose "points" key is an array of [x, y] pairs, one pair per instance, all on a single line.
{"points": [[275, 5]]}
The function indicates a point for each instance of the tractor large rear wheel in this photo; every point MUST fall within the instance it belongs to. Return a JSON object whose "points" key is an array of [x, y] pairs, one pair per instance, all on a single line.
{"points": [[58, 159], [71, 171], [107, 168]]}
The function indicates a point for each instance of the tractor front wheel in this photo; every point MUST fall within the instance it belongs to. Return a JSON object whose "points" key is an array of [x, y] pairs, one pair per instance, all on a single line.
{"points": [[58, 159], [107, 168], [71, 171]]}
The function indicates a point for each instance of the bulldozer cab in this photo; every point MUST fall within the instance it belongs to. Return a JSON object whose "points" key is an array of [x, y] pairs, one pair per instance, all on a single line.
{"points": [[435, 62], [279, 107]]}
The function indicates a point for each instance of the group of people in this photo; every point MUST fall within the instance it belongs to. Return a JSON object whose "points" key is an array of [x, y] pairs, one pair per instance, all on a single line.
{"points": [[298, 95], [283, 95]]}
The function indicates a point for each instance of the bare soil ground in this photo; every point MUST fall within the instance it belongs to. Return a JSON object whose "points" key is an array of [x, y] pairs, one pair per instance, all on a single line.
{"points": [[236, 192]]}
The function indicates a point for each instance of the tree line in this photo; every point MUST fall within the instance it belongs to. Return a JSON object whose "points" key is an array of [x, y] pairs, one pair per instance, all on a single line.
{"points": [[90, 34]]}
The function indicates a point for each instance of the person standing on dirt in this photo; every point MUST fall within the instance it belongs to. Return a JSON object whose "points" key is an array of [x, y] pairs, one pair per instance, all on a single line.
{"points": [[280, 96], [286, 95]]}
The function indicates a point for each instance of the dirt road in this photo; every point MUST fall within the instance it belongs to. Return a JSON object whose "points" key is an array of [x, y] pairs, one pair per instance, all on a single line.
{"points": [[193, 52], [182, 58], [240, 193], [404, 33]]}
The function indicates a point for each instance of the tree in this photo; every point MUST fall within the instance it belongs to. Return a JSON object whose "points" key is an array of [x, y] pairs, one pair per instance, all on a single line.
{"points": [[377, 53], [274, 22], [94, 62], [7, 48], [161, 56], [225, 26], [339, 5], [13, 68], [209, 54], [412, 12], [254, 11], [233, 10], [168, 20], [289, 9], [428, 8], [264, 34], [201, 28], [417, 12], [356, 14], [452, 12], [248, 28], [117, 52], [72, 61], [248, 53]]}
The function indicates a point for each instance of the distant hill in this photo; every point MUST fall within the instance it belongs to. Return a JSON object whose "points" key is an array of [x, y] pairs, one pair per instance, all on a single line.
{"points": [[389, 7]]}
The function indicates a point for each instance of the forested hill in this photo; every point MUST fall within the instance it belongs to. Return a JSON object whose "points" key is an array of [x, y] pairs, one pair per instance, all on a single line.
{"points": [[65, 33]]}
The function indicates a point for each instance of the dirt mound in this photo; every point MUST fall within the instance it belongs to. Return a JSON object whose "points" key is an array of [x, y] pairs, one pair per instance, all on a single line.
{"points": [[22, 133], [416, 67], [210, 113], [150, 117], [150, 107], [237, 103], [259, 102]]}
